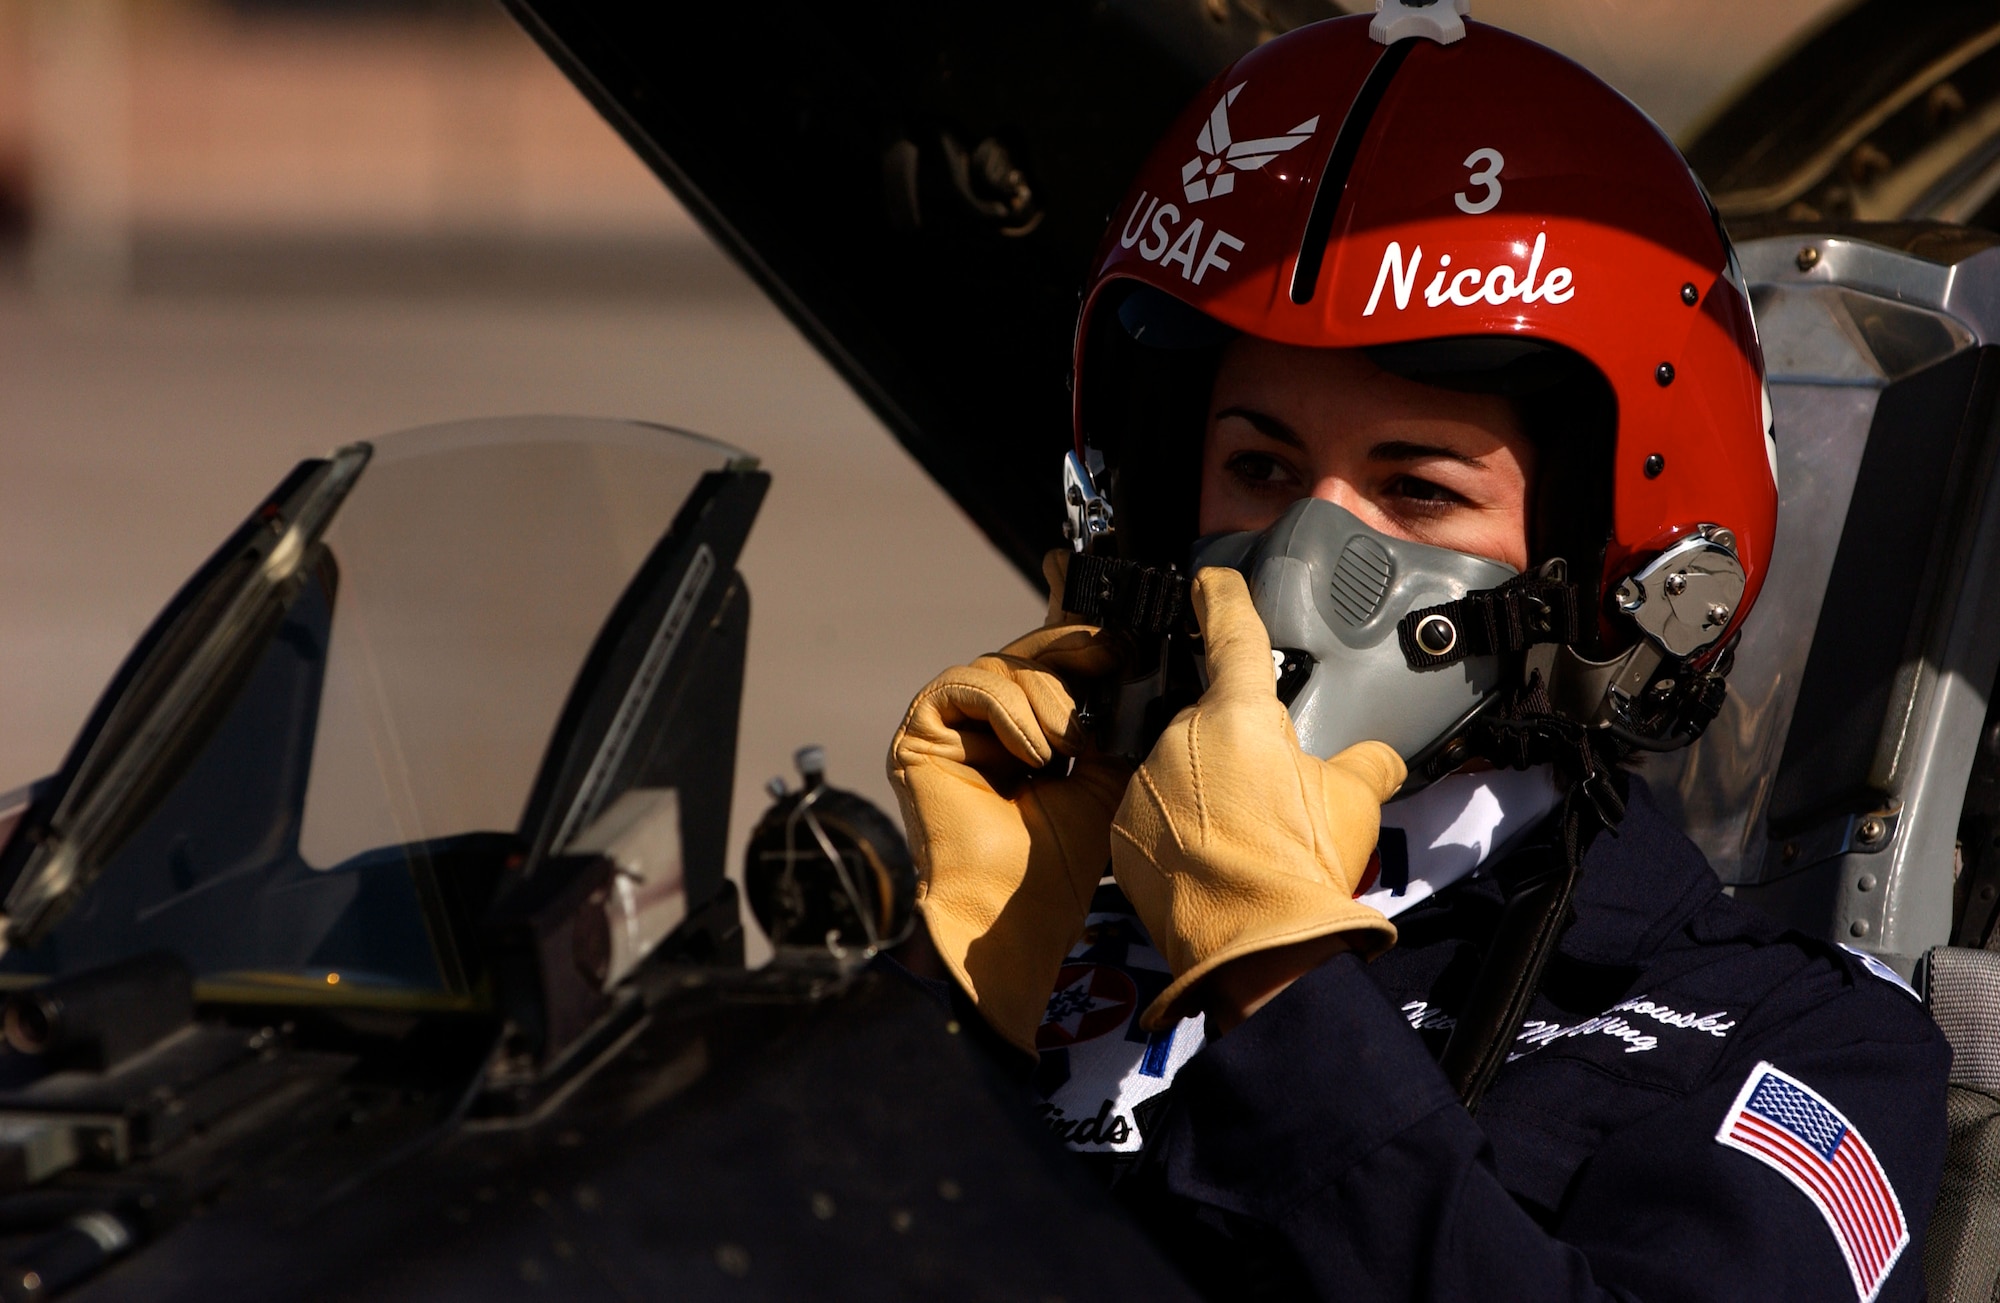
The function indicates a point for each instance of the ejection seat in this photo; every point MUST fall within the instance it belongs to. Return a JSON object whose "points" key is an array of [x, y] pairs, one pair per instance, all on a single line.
{"points": [[1851, 785]]}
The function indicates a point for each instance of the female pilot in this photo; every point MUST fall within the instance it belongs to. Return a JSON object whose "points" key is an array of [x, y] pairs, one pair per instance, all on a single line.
{"points": [[1373, 974]]}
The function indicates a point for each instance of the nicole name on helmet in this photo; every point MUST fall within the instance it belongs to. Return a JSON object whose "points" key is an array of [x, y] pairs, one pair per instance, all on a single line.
{"points": [[1471, 285]]}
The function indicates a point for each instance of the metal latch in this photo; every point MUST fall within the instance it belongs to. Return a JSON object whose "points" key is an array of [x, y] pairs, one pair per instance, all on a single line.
{"points": [[1685, 598], [1087, 516]]}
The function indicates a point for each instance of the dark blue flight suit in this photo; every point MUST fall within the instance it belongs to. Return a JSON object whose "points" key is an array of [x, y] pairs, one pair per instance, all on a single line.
{"points": [[1317, 1151]]}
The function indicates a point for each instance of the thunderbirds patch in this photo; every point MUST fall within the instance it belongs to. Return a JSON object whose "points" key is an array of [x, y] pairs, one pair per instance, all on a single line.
{"points": [[1788, 1126], [1098, 1067]]}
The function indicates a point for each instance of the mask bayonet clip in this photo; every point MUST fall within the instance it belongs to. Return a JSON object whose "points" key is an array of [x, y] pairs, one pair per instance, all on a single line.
{"points": [[1087, 516]]}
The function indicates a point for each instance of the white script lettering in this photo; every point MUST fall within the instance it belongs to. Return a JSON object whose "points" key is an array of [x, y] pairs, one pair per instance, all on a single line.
{"points": [[1537, 1033], [1715, 1024], [1470, 285], [1426, 1019], [1404, 279]]}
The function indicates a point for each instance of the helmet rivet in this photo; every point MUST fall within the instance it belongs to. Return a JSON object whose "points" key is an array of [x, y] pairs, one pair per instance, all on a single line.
{"points": [[1718, 614], [1690, 295], [1654, 465], [1630, 596], [1664, 374], [1677, 583], [1436, 635], [1808, 257]]}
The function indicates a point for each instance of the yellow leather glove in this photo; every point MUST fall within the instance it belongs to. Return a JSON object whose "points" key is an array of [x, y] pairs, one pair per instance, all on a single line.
{"points": [[1231, 839], [1009, 855]]}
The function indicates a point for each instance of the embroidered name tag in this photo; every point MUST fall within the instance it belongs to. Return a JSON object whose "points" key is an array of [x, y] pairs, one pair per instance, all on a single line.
{"points": [[1631, 1032], [1790, 1127]]}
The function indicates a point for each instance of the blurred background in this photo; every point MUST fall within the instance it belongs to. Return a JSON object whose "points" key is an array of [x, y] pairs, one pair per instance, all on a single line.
{"points": [[233, 235]]}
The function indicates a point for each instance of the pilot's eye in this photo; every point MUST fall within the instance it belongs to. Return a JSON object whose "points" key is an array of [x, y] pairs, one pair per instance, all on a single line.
{"points": [[1260, 469], [1422, 493]]}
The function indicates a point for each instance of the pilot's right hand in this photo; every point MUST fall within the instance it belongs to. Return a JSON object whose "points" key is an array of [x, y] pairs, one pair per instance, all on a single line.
{"points": [[1008, 847]]}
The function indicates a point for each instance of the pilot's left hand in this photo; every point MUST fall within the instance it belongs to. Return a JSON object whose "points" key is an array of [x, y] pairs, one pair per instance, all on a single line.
{"points": [[1241, 852]]}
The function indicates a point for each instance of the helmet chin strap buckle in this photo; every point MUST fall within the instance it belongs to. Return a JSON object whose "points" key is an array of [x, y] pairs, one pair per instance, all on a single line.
{"points": [[1442, 21]]}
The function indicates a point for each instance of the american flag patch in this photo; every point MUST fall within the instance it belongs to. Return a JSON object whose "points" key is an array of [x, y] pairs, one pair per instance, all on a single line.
{"points": [[1786, 1124]]}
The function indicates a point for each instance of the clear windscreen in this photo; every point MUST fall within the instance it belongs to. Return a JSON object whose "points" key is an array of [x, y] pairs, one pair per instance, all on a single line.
{"points": [[370, 776]]}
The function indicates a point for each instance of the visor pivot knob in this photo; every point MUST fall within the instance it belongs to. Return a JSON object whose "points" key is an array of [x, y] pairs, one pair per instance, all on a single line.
{"points": [[1399, 20], [1436, 635]]}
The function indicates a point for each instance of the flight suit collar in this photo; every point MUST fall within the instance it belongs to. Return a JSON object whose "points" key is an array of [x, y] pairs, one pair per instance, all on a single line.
{"points": [[1639, 886]]}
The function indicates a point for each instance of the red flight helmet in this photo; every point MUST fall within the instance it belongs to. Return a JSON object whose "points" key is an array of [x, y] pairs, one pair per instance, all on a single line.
{"points": [[1332, 189]]}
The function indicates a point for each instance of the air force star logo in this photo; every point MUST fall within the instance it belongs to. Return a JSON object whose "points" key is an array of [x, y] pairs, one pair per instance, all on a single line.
{"points": [[1212, 171], [1090, 1000]]}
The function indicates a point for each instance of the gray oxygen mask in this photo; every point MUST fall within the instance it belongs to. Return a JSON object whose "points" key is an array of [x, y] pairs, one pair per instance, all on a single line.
{"points": [[1331, 592]]}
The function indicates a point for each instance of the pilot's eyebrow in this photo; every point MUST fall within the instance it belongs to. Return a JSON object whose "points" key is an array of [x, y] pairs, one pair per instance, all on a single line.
{"points": [[1399, 450], [1393, 450], [1267, 425]]}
